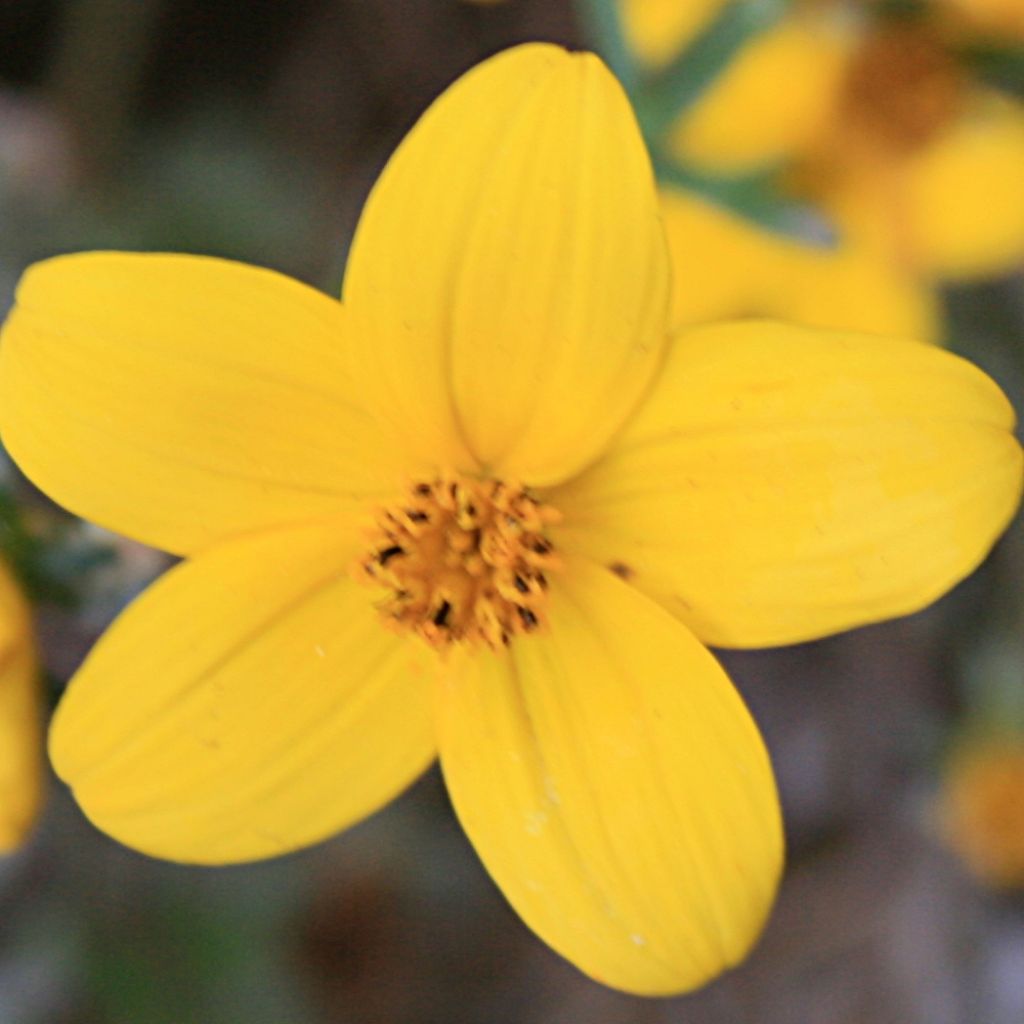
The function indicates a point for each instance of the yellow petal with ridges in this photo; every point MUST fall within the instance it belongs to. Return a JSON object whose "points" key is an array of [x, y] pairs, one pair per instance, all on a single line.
{"points": [[510, 254], [180, 400], [781, 484], [616, 788], [248, 704], [771, 102], [21, 729]]}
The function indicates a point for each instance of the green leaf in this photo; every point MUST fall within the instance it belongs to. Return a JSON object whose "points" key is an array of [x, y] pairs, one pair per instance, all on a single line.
{"points": [[999, 66], [47, 557]]}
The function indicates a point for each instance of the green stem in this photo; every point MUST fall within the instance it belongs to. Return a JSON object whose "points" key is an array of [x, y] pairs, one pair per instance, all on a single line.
{"points": [[751, 196]]}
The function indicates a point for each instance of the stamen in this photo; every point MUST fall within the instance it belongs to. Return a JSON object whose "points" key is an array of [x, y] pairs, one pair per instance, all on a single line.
{"points": [[466, 561]]}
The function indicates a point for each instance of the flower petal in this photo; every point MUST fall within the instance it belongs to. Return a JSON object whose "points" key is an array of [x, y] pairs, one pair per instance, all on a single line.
{"points": [[953, 208], [616, 788], [782, 484], [248, 704], [852, 288], [179, 400], [965, 196], [775, 98], [659, 29], [511, 255], [727, 267], [21, 730], [724, 265]]}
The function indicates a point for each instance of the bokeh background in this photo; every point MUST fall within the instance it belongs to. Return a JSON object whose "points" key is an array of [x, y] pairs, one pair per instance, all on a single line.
{"points": [[254, 131]]}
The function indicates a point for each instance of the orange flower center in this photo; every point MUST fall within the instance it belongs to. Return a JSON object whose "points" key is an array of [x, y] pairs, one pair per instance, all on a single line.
{"points": [[985, 816], [465, 561], [902, 88]]}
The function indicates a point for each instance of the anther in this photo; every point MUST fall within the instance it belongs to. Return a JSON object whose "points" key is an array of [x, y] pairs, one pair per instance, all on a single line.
{"points": [[529, 619], [465, 561], [441, 615]]}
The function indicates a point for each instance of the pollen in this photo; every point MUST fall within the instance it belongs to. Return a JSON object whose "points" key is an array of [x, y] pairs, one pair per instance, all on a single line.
{"points": [[465, 561]]}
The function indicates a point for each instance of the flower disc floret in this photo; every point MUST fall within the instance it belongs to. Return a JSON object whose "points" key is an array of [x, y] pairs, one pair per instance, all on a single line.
{"points": [[903, 88], [466, 561]]}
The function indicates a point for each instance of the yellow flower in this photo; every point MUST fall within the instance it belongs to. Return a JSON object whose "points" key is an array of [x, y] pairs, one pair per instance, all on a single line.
{"points": [[484, 509], [21, 770], [774, 99], [775, 96], [983, 809], [884, 126], [924, 164], [727, 267], [994, 16]]}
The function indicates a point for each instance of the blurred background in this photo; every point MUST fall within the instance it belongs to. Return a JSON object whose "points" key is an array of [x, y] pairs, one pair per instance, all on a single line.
{"points": [[844, 164]]}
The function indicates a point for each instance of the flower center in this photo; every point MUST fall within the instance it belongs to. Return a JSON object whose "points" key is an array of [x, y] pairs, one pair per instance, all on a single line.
{"points": [[903, 87], [465, 560]]}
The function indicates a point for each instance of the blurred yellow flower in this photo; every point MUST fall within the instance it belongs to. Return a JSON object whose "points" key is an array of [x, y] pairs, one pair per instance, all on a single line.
{"points": [[880, 121], [728, 267], [485, 509], [776, 98], [21, 733], [982, 810], [923, 163], [993, 16]]}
